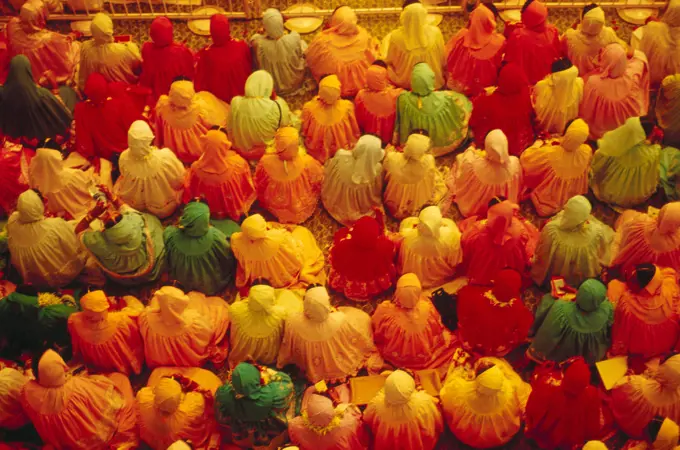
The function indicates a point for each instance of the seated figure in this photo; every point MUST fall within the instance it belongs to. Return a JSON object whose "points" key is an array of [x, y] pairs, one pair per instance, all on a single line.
{"points": [[44, 251], [401, 414], [430, 247], [184, 330], [253, 403], [408, 331], [362, 260], [177, 404], [198, 253], [65, 409], [573, 245], [270, 251], [151, 178], [494, 321], [637, 399], [645, 312], [257, 323], [108, 340], [485, 411], [325, 343], [564, 328]]}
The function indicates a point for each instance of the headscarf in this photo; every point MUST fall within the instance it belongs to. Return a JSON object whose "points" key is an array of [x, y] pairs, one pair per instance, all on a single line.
{"points": [[256, 117], [490, 381], [140, 138], [399, 387], [593, 22], [195, 220], [30, 207], [96, 88], [430, 221], [668, 220], [344, 23], [590, 295], [535, 15], [414, 21], [619, 140], [287, 143], [33, 16], [182, 94], [376, 78], [576, 378], [273, 23], [499, 219], [214, 157], [102, 29], [481, 28], [512, 82], [408, 291], [160, 31], [320, 411], [167, 395], [329, 89], [416, 146], [220, 31], [179, 445], [368, 154], [613, 61], [171, 305], [422, 80], [51, 369], [496, 146], [28, 111], [575, 212], [46, 170], [254, 227], [246, 380], [316, 304], [261, 298], [507, 285], [94, 301], [576, 135]]}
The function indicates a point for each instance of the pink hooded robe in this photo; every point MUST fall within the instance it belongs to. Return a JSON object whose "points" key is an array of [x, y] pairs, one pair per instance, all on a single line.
{"points": [[46, 50], [617, 90]]}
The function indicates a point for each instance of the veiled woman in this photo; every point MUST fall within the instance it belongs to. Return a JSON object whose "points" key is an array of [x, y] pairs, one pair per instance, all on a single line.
{"points": [[353, 181], [557, 169], [557, 97], [53, 56], [151, 178], [375, 106], [198, 253], [475, 54], [573, 244], [412, 179], [29, 112], [414, 42], [668, 109], [45, 251], [430, 247], [279, 53], [117, 61], [129, 250], [658, 41], [256, 116], [444, 115], [582, 44], [183, 116], [344, 49]]}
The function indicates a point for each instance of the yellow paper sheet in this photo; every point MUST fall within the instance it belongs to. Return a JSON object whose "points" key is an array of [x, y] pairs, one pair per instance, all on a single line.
{"points": [[612, 370]]}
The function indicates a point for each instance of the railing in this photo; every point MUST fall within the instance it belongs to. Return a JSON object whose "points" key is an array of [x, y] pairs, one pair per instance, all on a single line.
{"points": [[237, 9]]}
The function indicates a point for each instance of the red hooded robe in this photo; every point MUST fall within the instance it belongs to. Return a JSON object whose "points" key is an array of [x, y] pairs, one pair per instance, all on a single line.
{"points": [[224, 66]]}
